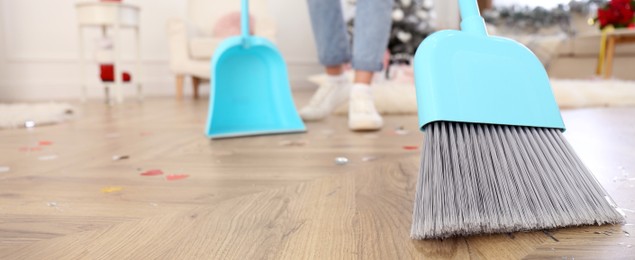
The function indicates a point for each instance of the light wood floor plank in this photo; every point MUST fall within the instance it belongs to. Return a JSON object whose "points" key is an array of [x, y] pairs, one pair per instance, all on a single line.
{"points": [[256, 198]]}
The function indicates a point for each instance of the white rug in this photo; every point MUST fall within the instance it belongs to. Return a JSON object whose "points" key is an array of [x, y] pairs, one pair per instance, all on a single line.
{"points": [[17, 115], [398, 96]]}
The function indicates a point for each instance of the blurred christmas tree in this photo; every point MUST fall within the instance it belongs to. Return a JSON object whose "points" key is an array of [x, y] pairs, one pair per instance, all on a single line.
{"points": [[412, 22]]}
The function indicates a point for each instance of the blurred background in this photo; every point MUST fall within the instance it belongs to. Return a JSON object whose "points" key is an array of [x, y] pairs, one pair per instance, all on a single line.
{"points": [[41, 44]]}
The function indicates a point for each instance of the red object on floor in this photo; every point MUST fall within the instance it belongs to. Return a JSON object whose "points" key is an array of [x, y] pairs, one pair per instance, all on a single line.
{"points": [[411, 147], [152, 173], [45, 143], [107, 73], [174, 177]]}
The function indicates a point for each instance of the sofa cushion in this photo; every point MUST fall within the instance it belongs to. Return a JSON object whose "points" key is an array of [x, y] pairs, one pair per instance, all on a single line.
{"points": [[230, 25]]}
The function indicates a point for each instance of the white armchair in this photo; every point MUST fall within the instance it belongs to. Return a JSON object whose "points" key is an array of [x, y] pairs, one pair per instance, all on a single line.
{"points": [[193, 41]]}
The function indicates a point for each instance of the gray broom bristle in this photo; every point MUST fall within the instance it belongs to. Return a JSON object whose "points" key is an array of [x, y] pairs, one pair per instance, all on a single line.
{"points": [[482, 179]]}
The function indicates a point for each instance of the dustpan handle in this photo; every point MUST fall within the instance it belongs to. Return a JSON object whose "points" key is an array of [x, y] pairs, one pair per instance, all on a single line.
{"points": [[471, 19], [244, 19]]}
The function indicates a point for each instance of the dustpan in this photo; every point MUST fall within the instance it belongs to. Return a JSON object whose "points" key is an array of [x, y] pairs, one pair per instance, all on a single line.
{"points": [[250, 92], [468, 76]]}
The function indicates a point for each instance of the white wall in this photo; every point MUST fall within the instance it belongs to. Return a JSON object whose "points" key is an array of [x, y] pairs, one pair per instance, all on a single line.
{"points": [[447, 14], [39, 47]]}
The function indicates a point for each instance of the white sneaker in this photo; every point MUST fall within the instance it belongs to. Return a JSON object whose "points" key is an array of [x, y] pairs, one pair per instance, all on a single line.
{"points": [[333, 93], [362, 114]]}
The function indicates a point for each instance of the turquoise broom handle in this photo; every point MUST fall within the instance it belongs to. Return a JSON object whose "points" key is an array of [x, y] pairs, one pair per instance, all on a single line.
{"points": [[471, 20], [244, 19]]}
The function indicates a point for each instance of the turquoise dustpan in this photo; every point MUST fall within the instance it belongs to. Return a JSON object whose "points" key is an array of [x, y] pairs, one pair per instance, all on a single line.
{"points": [[250, 92], [471, 77]]}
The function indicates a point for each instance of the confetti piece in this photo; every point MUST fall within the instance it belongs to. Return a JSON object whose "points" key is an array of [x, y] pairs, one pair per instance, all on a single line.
{"points": [[29, 124], [30, 149], [411, 147], [4, 169], [401, 131], [341, 161], [154, 204], [52, 204], [47, 157], [369, 158], [152, 173], [45, 143], [120, 157], [289, 143], [174, 177], [145, 133], [111, 189]]}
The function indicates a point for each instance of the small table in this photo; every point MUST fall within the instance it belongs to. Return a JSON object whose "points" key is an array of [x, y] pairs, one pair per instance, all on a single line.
{"points": [[118, 16], [607, 51]]}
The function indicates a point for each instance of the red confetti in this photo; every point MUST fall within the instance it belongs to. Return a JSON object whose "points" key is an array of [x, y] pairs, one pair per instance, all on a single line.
{"points": [[152, 173], [174, 177], [30, 149], [45, 143], [411, 147]]}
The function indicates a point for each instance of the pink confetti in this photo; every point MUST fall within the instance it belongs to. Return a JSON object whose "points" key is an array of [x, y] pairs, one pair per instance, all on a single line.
{"points": [[45, 143], [411, 147], [145, 134], [152, 173], [30, 149], [174, 177]]}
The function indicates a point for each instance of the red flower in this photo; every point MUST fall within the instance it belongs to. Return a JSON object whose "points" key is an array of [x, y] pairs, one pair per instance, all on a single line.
{"points": [[619, 13], [604, 17], [618, 4]]}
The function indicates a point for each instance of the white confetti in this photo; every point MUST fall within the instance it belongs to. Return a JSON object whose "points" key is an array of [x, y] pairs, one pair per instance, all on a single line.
{"points": [[369, 158], [29, 124], [120, 157], [401, 131], [341, 161], [4, 169], [47, 157]]}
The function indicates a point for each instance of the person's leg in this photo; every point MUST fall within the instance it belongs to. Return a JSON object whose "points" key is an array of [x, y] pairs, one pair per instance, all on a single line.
{"points": [[334, 50], [329, 30], [372, 31]]}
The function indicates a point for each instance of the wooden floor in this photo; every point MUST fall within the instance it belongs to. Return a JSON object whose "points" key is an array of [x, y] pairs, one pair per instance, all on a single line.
{"points": [[272, 197]]}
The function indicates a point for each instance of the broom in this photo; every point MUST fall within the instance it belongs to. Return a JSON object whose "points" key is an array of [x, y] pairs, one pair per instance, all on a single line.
{"points": [[494, 157]]}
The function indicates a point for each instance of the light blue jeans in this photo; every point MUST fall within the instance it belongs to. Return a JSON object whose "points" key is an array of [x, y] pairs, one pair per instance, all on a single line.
{"points": [[371, 33]]}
